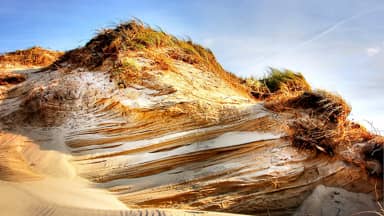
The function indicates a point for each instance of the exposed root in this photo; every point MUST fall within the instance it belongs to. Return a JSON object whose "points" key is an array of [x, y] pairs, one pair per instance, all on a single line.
{"points": [[373, 155], [319, 122], [329, 106], [311, 133], [323, 105]]}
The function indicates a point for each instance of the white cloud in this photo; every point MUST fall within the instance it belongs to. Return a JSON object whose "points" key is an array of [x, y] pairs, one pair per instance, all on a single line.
{"points": [[372, 51]]}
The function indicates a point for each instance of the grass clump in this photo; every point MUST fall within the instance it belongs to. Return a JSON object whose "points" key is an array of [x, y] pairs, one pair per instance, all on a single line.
{"points": [[109, 43], [285, 81], [34, 56], [277, 83]]}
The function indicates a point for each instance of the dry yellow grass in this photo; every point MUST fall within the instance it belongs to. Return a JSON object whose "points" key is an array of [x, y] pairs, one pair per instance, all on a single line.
{"points": [[35, 56]]}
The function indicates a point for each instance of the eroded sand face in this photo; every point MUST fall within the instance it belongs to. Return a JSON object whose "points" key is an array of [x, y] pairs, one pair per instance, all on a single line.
{"points": [[74, 143]]}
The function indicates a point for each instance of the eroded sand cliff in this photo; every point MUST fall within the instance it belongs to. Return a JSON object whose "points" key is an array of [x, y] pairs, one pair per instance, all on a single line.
{"points": [[149, 128]]}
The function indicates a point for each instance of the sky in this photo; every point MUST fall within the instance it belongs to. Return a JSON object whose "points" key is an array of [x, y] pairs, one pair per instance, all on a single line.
{"points": [[336, 45]]}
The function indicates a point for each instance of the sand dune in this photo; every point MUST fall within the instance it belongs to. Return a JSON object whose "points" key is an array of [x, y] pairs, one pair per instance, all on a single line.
{"points": [[149, 131]]}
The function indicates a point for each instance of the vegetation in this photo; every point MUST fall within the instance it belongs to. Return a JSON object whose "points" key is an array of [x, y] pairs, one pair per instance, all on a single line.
{"points": [[134, 37], [285, 80], [319, 122], [35, 56], [109, 43], [318, 118], [277, 83], [326, 105]]}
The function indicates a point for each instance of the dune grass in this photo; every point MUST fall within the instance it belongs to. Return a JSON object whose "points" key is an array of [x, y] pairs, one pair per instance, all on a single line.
{"points": [[130, 36], [285, 80], [109, 45], [34, 56], [277, 83]]}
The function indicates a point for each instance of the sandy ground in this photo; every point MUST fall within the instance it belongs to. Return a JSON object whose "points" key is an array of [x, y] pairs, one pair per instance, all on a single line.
{"points": [[56, 182], [21, 197], [338, 202], [54, 197]]}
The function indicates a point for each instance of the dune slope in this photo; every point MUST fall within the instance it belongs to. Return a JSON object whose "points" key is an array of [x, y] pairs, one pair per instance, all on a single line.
{"points": [[137, 119]]}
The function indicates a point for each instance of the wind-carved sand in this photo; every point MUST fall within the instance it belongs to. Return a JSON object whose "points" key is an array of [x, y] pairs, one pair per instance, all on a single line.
{"points": [[146, 131]]}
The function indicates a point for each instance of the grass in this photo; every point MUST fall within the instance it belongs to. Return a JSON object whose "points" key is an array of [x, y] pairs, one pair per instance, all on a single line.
{"points": [[34, 56], [285, 80], [109, 45], [318, 122], [319, 118], [276, 83]]}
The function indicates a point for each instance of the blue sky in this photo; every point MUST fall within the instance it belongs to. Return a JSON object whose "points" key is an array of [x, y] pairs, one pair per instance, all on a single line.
{"points": [[337, 45]]}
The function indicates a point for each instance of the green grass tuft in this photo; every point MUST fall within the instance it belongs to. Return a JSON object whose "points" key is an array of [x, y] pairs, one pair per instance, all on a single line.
{"points": [[277, 82]]}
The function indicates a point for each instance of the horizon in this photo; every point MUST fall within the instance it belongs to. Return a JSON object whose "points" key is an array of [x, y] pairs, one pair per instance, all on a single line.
{"points": [[336, 46]]}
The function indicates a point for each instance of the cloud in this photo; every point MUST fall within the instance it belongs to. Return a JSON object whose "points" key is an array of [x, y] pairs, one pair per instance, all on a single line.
{"points": [[372, 51]]}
